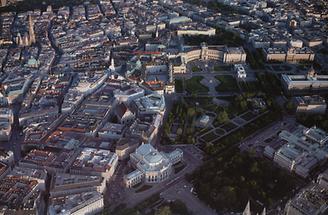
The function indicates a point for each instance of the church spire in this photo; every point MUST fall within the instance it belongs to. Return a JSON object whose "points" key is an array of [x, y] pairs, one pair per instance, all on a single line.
{"points": [[157, 32], [19, 39], [31, 30], [112, 63], [247, 210]]}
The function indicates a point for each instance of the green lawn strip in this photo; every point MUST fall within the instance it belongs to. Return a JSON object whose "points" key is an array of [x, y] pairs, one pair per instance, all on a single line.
{"points": [[179, 85], [227, 83], [193, 85], [209, 136]]}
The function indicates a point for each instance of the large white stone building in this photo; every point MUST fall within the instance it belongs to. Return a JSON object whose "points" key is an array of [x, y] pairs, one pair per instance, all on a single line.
{"points": [[151, 165], [67, 184], [310, 104], [223, 54], [240, 70], [98, 162], [305, 149], [77, 204], [298, 84], [293, 54], [150, 104], [312, 200], [127, 93]]}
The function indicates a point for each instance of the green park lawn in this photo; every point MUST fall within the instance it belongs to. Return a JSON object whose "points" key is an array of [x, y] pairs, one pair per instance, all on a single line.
{"points": [[195, 69], [193, 85], [250, 87], [179, 85], [227, 83]]}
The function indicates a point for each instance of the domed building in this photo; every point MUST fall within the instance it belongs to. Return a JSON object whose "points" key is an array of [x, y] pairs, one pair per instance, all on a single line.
{"points": [[151, 165]]}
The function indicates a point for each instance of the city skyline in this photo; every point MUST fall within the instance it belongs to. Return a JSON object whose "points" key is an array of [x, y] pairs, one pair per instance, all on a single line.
{"points": [[164, 107]]}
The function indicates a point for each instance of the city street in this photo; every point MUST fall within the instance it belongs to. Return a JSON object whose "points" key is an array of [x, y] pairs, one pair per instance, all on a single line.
{"points": [[183, 191]]}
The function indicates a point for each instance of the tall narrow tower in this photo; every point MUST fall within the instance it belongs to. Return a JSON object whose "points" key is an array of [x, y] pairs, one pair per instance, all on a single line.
{"points": [[19, 39], [157, 32], [247, 210], [3, 3], [112, 63], [31, 30]]}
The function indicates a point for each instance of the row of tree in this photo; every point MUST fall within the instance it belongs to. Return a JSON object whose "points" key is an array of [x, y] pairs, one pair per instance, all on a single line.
{"points": [[229, 180]]}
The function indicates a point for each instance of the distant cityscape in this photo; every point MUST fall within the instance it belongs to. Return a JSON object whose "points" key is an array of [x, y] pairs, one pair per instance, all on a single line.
{"points": [[168, 107]]}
